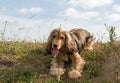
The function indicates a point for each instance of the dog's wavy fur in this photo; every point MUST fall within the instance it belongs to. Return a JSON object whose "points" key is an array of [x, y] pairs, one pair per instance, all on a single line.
{"points": [[70, 44]]}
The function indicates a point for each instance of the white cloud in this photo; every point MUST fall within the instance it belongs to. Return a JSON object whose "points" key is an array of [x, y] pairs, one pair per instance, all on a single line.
{"points": [[30, 11], [90, 14], [116, 8], [87, 4], [113, 17], [23, 11], [73, 13]]}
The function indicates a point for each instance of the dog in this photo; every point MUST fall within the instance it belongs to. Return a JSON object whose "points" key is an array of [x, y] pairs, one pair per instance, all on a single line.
{"points": [[66, 48]]}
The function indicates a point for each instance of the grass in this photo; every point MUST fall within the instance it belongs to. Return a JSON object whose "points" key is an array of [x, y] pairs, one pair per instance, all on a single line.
{"points": [[26, 62]]}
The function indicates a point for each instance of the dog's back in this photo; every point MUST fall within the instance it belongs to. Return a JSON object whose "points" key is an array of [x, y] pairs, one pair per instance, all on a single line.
{"points": [[82, 38]]}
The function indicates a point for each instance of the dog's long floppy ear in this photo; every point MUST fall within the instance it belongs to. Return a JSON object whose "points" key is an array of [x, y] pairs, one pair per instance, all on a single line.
{"points": [[70, 44], [49, 42]]}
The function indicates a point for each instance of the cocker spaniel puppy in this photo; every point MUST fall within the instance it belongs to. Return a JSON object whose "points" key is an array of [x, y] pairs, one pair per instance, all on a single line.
{"points": [[66, 48]]}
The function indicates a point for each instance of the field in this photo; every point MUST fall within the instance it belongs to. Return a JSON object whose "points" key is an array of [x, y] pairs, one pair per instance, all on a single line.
{"points": [[26, 62]]}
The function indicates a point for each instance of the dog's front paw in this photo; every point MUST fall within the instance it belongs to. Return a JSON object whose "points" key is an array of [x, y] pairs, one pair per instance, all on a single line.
{"points": [[74, 74], [57, 71]]}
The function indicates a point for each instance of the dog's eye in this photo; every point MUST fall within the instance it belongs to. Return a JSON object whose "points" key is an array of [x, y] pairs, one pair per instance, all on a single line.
{"points": [[54, 36], [62, 38]]}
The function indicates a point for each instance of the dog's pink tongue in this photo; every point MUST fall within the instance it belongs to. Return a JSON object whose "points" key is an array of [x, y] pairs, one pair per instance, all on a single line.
{"points": [[55, 51]]}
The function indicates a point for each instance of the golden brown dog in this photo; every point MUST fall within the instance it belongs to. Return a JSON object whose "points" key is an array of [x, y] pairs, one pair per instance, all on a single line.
{"points": [[66, 48]]}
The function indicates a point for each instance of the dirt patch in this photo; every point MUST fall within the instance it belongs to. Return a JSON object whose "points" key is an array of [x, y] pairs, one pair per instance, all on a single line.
{"points": [[5, 62]]}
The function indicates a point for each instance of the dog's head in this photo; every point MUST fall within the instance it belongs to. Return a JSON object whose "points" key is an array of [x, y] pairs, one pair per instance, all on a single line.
{"points": [[60, 40]]}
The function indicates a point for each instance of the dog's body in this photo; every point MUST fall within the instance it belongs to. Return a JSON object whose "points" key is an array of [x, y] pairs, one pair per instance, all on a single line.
{"points": [[84, 40], [66, 46]]}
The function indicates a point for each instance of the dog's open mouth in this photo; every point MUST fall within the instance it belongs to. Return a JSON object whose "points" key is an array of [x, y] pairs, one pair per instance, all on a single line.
{"points": [[55, 51]]}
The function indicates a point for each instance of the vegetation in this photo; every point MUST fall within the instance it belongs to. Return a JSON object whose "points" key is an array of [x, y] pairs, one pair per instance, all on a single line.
{"points": [[26, 62]]}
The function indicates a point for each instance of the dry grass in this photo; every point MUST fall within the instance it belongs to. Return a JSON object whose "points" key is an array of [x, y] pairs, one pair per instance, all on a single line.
{"points": [[25, 62]]}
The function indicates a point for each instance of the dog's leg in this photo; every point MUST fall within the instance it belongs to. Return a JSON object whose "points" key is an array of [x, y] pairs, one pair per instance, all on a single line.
{"points": [[57, 68], [89, 44], [77, 66]]}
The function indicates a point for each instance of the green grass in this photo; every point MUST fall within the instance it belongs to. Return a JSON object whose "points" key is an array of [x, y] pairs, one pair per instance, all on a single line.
{"points": [[26, 62], [16, 75]]}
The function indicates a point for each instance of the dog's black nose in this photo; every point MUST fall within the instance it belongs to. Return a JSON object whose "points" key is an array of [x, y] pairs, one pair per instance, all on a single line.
{"points": [[55, 45]]}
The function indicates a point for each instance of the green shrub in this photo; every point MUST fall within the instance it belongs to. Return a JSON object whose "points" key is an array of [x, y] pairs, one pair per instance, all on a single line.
{"points": [[89, 55]]}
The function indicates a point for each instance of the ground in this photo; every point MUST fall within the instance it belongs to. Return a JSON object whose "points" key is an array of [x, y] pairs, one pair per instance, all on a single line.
{"points": [[26, 62]]}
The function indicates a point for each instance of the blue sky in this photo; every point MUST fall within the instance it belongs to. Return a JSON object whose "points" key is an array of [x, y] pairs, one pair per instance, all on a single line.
{"points": [[34, 19]]}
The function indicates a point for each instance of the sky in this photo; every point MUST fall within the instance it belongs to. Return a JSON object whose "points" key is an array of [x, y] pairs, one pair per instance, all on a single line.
{"points": [[32, 20]]}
